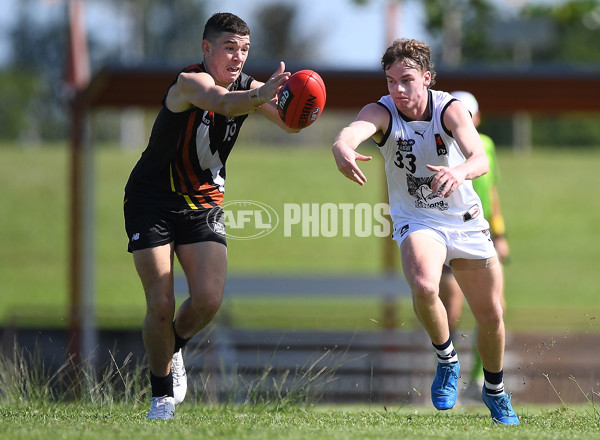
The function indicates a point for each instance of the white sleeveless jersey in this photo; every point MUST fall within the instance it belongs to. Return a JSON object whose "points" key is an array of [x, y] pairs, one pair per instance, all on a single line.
{"points": [[408, 146]]}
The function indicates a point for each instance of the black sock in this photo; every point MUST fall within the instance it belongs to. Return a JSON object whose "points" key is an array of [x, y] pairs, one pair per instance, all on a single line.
{"points": [[179, 341], [161, 386], [494, 382]]}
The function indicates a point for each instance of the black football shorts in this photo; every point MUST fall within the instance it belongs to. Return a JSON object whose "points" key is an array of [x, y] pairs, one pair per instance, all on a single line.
{"points": [[150, 224]]}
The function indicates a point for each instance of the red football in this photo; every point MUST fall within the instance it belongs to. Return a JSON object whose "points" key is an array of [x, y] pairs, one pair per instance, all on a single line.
{"points": [[301, 99]]}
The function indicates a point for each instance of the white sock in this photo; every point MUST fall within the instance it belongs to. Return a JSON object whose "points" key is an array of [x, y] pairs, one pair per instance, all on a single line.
{"points": [[447, 355], [493, 389]]}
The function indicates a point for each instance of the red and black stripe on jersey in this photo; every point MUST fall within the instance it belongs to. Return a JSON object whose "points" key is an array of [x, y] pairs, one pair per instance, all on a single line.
{"points": [[187, 152]]}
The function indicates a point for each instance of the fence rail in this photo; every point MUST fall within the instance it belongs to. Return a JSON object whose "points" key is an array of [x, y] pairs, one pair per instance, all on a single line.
{"points": [[383, 286]]}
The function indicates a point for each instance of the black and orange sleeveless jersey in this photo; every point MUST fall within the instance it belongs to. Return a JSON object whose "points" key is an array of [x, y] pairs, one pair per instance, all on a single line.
{"points": [[186, 154]]}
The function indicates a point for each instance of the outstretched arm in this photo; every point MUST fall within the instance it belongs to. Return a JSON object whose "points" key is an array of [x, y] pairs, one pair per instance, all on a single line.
{"points": [[200, 90], [344, 150], [372, 120]]}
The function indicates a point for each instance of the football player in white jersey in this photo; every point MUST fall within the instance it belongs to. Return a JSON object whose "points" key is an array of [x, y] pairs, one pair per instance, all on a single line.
{"points": [[432, 151]]}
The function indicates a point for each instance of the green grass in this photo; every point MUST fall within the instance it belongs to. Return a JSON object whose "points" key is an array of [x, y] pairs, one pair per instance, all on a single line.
{"points": [[550, 212], [83, 421]]}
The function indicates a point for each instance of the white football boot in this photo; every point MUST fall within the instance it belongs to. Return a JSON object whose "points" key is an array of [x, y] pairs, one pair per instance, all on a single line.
{"points": [[179, 377]]}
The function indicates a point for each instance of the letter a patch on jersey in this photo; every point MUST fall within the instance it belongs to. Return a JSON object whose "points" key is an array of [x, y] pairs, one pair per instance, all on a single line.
{"points": [[440, 145]]}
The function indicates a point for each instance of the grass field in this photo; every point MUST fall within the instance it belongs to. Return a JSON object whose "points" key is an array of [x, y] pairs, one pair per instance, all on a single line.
{"points": [[116, 421], [551, 282]]}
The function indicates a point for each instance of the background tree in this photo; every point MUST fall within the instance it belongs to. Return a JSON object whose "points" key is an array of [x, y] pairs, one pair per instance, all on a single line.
{"points": [[33, 79], [465, 24], [575, 44], [164, 31], [577, 31], [32, 83], [569, 36], [277, 37]]}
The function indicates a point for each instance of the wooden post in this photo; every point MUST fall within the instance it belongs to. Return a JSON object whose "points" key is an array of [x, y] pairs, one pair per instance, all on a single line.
{"points": [[78, 77]]}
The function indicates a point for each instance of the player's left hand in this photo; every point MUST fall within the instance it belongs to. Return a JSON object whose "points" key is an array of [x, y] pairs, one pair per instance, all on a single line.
{"points": [[446, 180], [269, 90]]}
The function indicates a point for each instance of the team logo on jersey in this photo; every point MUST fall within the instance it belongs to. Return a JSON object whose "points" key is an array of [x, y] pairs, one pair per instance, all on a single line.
{"points": [[471, 213], [405, 144], [420, 189], [208, 118], [440, 146]]}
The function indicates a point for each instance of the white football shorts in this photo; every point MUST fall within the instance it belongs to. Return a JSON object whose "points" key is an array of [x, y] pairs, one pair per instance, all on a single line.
{"points": [[471, 244]]}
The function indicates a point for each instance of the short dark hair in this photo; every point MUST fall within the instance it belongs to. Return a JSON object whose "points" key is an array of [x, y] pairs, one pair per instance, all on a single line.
{"points": [[411, 53], [224, 22]]}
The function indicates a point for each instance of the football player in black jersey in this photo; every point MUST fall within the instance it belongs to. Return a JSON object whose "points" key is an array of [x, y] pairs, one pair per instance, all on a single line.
{"points": [[174, 194]]}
